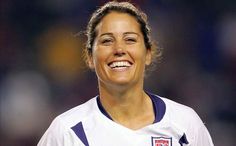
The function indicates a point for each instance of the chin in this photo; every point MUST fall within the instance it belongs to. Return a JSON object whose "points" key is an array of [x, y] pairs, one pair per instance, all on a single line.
{"points": [[121, 82]]}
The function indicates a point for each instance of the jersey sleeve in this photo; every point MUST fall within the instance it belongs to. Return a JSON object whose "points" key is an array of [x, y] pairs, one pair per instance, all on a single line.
{"points": [[202, 137], [58, 135], [199, 133]]}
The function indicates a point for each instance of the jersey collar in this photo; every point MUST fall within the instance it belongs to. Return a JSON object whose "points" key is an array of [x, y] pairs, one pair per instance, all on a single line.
{"points": [[159, 107]]}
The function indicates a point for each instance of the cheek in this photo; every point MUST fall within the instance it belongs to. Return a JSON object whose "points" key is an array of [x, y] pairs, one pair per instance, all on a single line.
{"points": [[100, 55], [138, 53]]}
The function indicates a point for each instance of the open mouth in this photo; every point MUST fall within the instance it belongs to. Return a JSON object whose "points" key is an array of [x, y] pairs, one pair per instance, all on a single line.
{"points": [[119, 64]]}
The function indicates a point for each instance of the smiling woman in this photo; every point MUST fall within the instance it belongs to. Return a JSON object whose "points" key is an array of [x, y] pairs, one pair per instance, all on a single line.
{"points": [[119, 49], [119, 54]]}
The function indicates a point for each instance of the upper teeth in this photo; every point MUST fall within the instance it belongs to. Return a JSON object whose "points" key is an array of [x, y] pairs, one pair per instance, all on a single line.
{"points": [[120, 64]]}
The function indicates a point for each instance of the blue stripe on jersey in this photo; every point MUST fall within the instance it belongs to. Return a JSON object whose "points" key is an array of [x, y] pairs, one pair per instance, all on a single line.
{"points": [[158, 105], [79, 131], [183, 140], [101, 108]]}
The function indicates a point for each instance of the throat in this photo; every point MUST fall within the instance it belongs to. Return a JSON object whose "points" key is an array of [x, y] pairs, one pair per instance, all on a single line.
{"points": [[133, 115]]}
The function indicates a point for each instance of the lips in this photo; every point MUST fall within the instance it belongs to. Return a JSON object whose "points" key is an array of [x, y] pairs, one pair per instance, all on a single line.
{"points": [[119, 64]]}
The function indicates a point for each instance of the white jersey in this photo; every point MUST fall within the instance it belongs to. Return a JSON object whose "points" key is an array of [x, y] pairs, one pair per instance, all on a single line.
{"points": [[90, 125]]}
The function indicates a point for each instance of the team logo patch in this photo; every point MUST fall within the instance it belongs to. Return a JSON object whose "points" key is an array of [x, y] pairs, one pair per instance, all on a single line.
{"points": [[161, 141]]}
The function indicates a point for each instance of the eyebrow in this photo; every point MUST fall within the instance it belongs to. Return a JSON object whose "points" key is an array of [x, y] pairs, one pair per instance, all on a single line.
{"points": [[126, 33], [105, 34], [131, 33]]}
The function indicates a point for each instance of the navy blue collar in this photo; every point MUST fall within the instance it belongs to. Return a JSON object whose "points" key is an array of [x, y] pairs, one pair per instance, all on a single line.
{"points": [[158, 105], [102, 108]]}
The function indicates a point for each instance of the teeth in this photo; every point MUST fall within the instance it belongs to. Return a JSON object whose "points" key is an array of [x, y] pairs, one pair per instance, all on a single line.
{"points": [[120, 64]]}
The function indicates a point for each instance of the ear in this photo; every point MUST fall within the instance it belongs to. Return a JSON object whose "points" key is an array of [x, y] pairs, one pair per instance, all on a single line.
{"points": [[148, 57], [90, 62]]}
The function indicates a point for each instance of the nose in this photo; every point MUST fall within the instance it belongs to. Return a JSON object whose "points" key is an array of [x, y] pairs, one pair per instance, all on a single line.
{"points": [[119, 49]]}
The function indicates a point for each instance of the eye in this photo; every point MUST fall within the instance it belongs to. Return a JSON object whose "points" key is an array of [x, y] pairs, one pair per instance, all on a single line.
{"points": [[130, 40], [107, 42]]}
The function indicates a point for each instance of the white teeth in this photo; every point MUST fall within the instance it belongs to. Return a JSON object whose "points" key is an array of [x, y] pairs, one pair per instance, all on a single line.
{"points": [[120, 64]]}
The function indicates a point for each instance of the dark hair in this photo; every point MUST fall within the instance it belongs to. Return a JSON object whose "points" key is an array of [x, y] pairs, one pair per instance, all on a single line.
{"points": [[122, 7]]}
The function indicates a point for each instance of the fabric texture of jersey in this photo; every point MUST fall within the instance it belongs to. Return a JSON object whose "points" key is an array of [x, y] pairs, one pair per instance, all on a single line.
{"points": [[89, 125]]}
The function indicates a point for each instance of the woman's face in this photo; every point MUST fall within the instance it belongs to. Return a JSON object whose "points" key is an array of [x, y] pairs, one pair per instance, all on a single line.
{"points": [[119, 54]]}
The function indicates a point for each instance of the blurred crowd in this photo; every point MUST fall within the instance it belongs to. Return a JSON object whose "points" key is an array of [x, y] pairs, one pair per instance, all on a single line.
{"points": [[42, 72]]}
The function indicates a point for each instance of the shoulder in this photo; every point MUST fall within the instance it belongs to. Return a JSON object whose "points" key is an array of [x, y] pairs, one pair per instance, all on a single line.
{"points": [[172, 108], [78, 113], [60, 128], [183, 114], [176, 114], [178, 108], [184, 118]]}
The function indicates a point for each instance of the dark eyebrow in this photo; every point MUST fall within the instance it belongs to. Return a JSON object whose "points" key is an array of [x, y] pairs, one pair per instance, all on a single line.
{"points": [[131, 33], [110, 34]]}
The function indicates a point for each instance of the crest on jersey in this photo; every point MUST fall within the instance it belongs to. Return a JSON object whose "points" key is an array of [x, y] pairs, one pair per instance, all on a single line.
{"points": [[161, 141]]}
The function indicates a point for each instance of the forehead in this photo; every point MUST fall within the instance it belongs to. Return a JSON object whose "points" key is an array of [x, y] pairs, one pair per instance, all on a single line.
{"points": [[118, 22]]}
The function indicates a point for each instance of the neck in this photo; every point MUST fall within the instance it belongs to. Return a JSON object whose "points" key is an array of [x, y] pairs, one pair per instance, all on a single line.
{"points": [[132, 108]]}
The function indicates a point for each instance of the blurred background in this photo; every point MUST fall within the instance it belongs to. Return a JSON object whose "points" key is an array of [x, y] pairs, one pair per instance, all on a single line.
{"points": [[42, 72]]}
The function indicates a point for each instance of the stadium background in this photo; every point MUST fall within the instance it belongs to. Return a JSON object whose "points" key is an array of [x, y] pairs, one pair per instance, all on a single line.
{"points": [[42, 73]]}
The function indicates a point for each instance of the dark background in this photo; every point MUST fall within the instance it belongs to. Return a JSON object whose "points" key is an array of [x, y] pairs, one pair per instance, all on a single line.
{"points": [[42, 73]]}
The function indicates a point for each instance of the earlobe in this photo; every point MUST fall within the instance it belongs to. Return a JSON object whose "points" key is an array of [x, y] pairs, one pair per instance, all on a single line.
{"points": [[148, 57], [90, 63]]}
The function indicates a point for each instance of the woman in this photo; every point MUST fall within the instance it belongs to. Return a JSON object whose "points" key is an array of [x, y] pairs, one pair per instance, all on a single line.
{"points": [[119, 49]]}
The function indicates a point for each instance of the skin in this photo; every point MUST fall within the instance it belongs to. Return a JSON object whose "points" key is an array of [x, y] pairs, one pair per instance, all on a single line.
{"points": [[119, 38]]}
